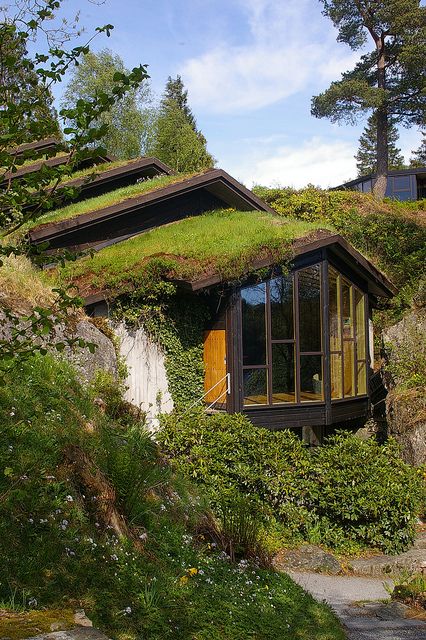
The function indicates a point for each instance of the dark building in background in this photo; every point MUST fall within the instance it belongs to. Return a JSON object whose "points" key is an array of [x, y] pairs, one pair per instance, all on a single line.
{"points": [[403, 184]]}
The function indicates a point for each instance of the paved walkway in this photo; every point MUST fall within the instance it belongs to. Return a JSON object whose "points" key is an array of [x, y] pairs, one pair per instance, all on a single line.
{"points": [[358, 604]]}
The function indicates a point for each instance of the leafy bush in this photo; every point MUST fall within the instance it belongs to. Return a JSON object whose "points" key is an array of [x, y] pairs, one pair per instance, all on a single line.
{"points": [[363, 491], [345, 493]]}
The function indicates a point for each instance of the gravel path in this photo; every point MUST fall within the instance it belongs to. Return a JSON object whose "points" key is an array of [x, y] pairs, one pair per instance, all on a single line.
{"points": [[358, 602]]}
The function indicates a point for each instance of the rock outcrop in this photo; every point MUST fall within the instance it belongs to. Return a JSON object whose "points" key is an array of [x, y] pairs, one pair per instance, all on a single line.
{"points": [[406, 373]]}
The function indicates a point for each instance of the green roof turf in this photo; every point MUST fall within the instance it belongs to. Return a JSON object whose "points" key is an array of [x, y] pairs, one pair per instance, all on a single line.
{"points": [[110, 198], [225, 242]]}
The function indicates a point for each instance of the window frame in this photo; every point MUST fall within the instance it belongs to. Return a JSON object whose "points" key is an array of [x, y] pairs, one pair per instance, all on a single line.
{"points": [[324, 264]]}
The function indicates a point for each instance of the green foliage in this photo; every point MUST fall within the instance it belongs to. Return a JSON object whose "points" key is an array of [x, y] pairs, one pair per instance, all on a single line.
{"points": [[28, 119], [347, 493], [20, 83], [367, 150], [176, 139], [406, 359], [128, 120], [411, 590], [106, 199], [176, 324], [56, 553], [364, 492]]}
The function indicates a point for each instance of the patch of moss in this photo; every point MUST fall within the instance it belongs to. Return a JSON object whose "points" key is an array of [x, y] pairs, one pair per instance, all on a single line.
{"points": [[17, 625]]}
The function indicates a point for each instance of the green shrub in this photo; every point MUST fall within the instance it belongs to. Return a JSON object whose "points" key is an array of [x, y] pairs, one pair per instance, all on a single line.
{"points": [[348, 492], [365, 492]]}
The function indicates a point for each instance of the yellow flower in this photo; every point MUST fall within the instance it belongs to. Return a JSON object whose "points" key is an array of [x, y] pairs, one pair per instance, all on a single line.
{"points": [[193, 571], [183, 580]]}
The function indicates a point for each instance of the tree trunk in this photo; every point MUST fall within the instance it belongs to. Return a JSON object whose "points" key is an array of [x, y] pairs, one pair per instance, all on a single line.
{"points": [[381, 178]]}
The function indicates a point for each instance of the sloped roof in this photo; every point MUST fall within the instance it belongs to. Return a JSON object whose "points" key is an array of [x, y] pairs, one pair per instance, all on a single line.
{"points": [[212, 189], [214, 248], [39, 146], [56, 161]]}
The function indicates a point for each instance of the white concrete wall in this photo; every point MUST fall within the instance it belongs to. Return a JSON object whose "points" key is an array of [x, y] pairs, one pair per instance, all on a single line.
{"points": [[147, 380]]}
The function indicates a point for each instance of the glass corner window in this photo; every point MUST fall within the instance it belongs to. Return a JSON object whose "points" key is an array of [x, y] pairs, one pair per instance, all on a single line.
{"points": [[348, 337]]}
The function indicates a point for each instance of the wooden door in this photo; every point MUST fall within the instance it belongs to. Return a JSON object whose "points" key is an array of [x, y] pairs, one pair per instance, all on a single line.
{"points": [[215, 365]]}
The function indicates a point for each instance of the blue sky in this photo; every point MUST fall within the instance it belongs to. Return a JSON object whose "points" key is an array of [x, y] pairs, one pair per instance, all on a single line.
{"points": [[251, 67]]}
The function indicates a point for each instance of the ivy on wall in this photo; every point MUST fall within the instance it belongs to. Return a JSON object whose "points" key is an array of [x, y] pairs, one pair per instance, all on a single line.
{"points": [[175, 322]]}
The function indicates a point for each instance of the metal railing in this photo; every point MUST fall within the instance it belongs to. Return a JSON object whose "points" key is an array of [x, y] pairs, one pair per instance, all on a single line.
{"points": [[227, 391]]}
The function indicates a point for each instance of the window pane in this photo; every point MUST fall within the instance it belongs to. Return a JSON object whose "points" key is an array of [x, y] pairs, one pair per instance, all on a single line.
{"points": [[310, 309], [283, 373], [311, 387], [401, 183], [336, 376], [360, 325], [282, 308], [253, 317], [255, 389], [347, 307], [349, 369], [362, 378], [334, 310]]}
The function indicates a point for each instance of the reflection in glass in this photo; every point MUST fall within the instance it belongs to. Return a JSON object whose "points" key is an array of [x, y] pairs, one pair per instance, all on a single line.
{"points": [[254, 327], [334, 310], [283, 373], [349, 368], [255, 386], [360, 325], [310, 309], [311, 385], [362, 378], [336, 376], [348, 322], [281, 291]]}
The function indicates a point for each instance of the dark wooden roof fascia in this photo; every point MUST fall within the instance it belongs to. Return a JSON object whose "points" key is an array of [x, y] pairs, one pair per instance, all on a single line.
{"points": [[39, 146], [206, 180], [50, 162], [133, 167]]}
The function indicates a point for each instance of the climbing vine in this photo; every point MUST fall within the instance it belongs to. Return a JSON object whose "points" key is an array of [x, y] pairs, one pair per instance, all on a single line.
{"points": [[175, 322]]}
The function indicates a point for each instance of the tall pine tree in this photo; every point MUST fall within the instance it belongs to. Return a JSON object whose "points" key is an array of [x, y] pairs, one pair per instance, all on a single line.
{"points": [[366, 157], [389, 80], [177, 140]]}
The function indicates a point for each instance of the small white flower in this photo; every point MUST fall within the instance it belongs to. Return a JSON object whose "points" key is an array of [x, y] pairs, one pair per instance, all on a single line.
{"points": [[128, 610], [69, 499]]}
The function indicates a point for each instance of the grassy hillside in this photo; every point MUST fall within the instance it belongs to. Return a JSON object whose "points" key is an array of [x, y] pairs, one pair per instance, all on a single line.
{"points": [[91, 516]]}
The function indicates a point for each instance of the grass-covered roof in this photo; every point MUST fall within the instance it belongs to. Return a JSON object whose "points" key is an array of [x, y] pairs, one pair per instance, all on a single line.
{"points": [[225, 242], [113, 197]]}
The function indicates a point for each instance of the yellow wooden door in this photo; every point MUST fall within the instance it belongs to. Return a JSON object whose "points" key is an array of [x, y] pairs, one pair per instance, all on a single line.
{"points": [[215, 365]]}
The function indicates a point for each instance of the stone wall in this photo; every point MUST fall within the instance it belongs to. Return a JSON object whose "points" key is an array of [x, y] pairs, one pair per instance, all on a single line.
{"points": [[147, 379]]}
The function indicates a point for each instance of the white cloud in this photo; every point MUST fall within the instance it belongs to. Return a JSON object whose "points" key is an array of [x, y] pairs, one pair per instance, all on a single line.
{"points": [[315, 161], [283, 57]]}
